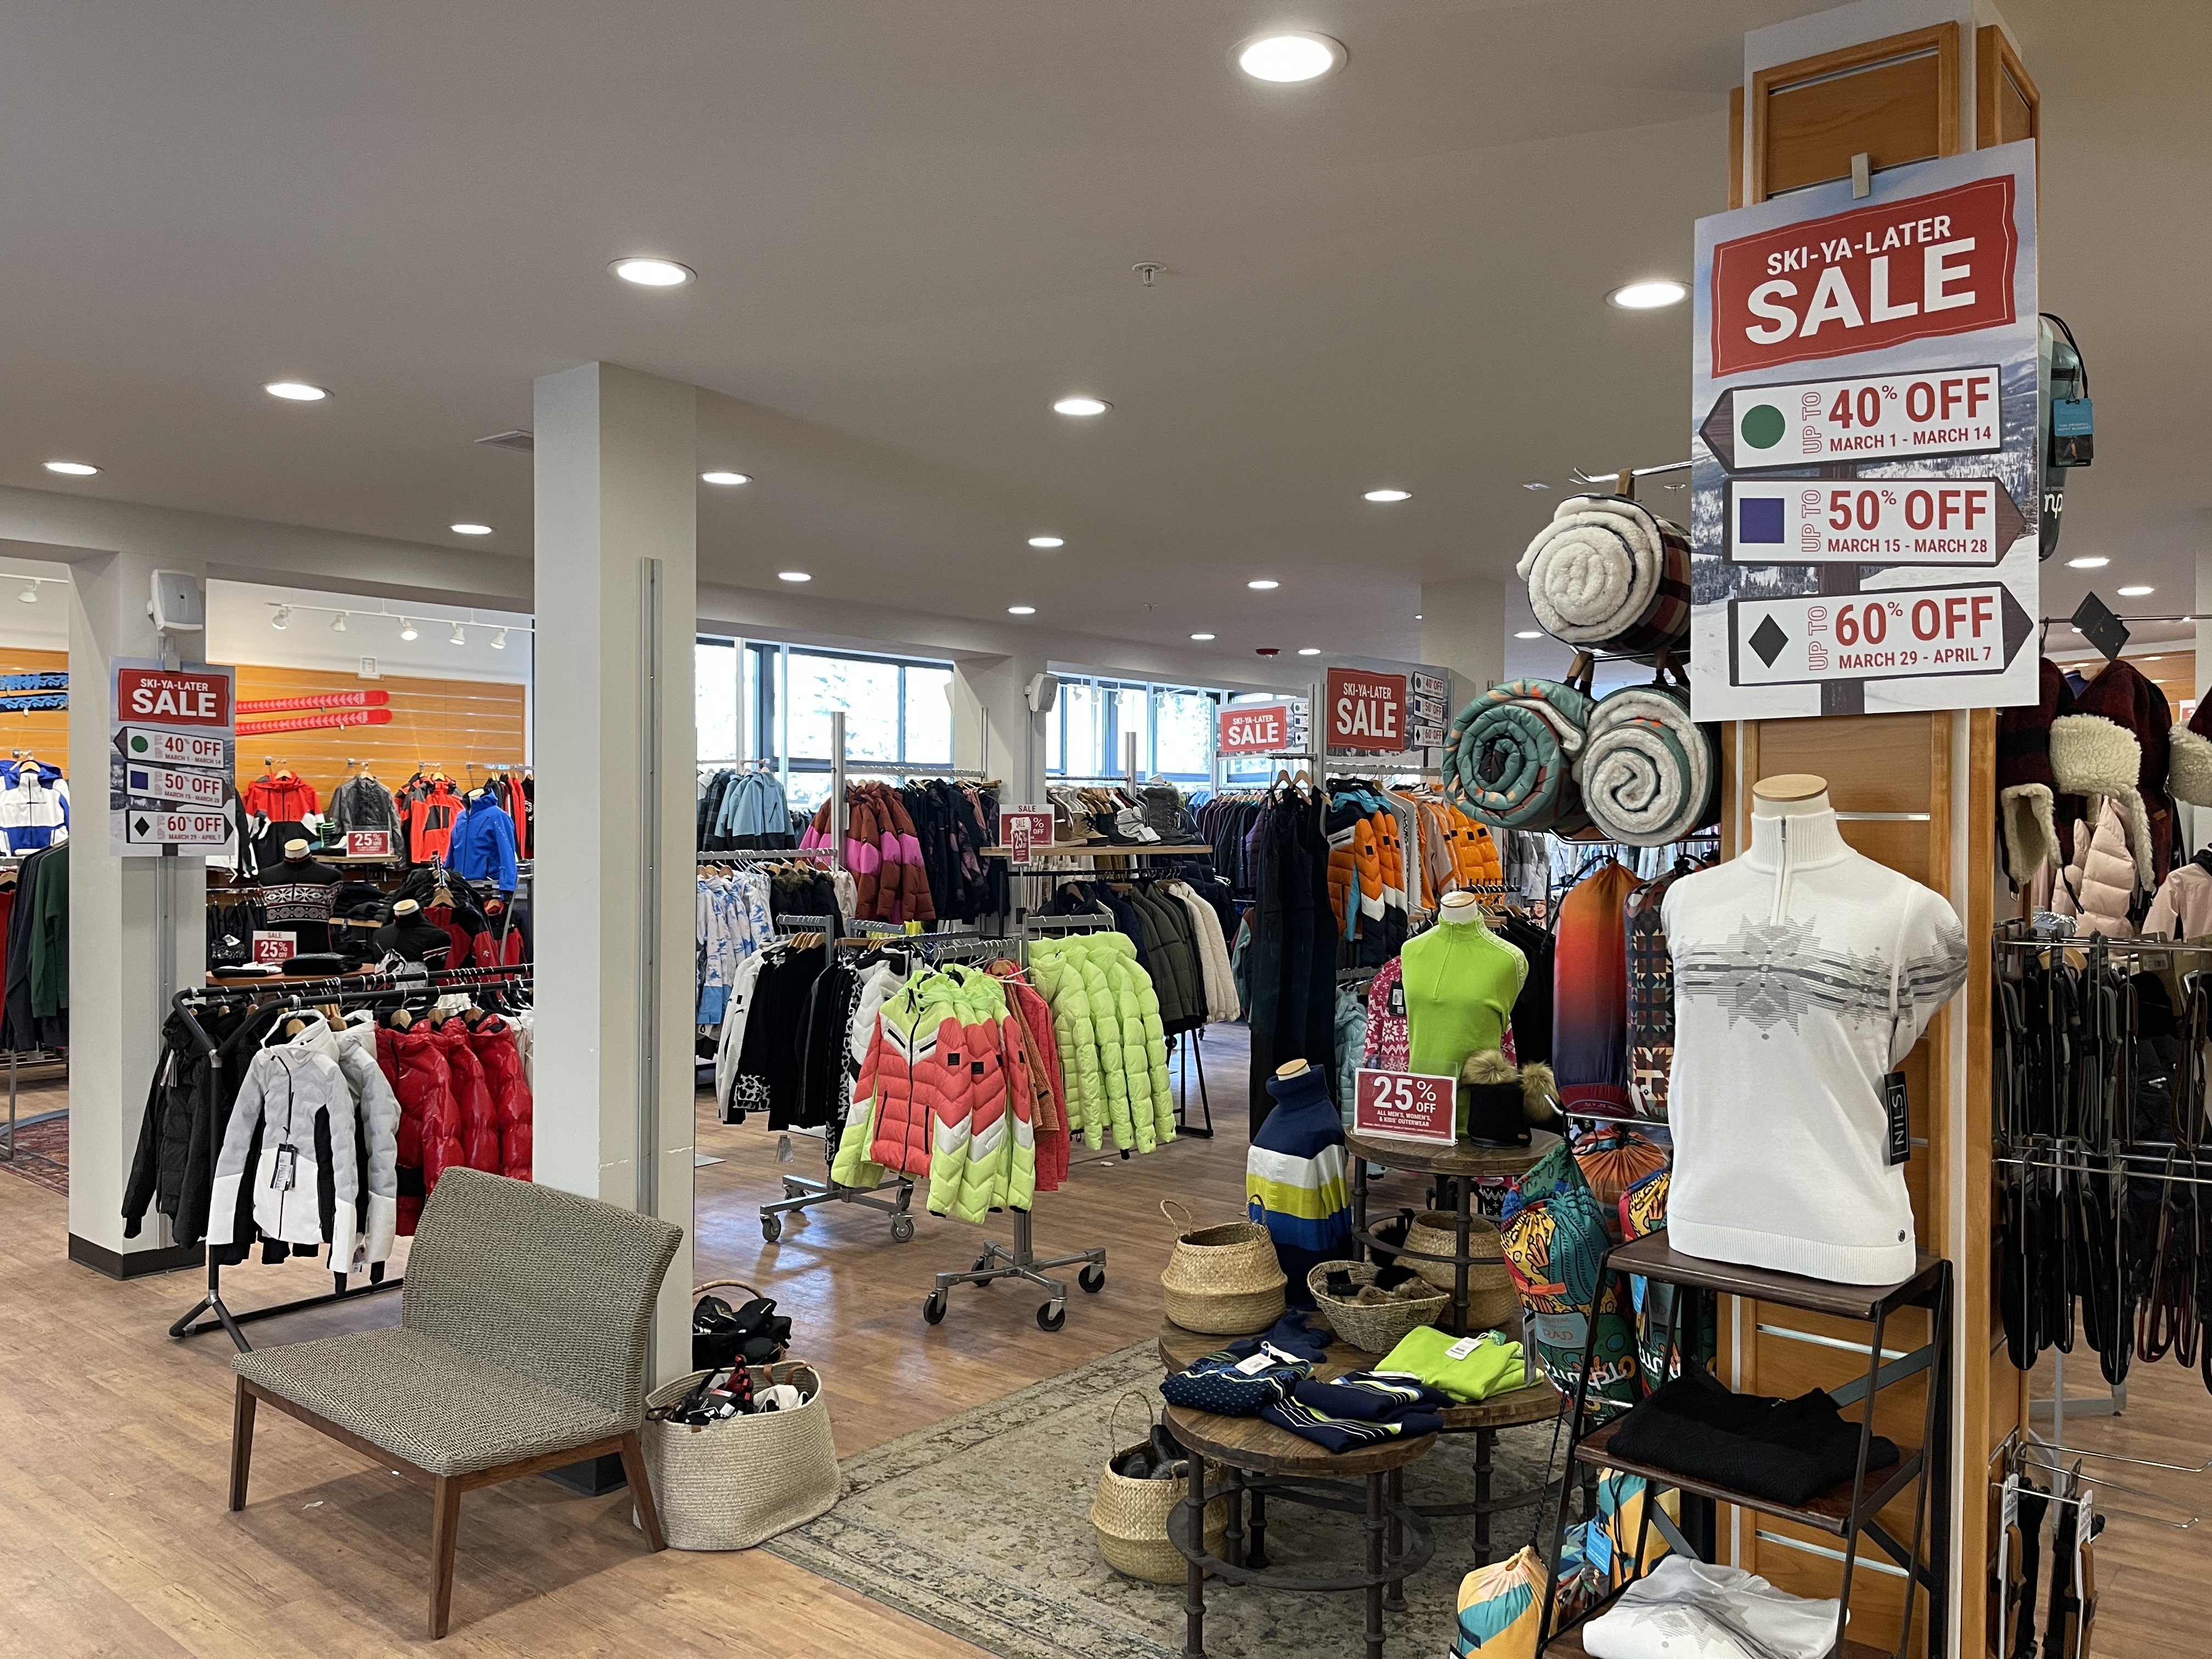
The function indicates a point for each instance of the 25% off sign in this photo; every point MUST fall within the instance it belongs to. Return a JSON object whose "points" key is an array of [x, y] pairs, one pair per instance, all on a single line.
{"points": [[1977, 627], [1406, 1106]]}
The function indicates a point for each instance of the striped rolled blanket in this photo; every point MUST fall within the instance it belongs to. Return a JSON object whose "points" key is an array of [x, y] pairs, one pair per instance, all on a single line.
{"points": [[1606, 573], [1509, 757], [1649, 774]]}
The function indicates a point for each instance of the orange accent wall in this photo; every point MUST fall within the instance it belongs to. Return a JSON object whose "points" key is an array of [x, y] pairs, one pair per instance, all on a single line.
{"points": [[459, 726], [44, 732]]}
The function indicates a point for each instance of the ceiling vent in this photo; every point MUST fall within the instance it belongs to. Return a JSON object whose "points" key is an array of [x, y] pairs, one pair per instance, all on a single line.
{"points": [[522, 441]]}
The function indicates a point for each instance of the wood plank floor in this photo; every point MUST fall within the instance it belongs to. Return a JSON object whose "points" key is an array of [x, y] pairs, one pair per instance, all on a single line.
{"points": [[114, 1439]]}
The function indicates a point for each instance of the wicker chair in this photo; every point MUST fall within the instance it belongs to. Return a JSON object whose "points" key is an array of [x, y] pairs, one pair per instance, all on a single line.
{"points": [[520, 1347]]}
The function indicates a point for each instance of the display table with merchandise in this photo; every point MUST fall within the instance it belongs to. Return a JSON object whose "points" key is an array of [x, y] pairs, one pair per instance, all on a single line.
{"points": [[1535, 1401], [1261, 1460], [1463, 1168]]}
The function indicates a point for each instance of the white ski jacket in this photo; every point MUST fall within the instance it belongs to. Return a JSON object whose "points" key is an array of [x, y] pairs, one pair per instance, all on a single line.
{"points": [[290, 1151]]}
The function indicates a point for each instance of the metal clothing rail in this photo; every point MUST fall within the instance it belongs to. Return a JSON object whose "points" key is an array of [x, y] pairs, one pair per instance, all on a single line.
{"points": [[304, 994]]}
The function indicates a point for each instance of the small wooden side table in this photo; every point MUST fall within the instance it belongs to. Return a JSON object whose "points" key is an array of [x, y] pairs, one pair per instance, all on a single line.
{"points": [[1465, 1166], [1261, 1458]]}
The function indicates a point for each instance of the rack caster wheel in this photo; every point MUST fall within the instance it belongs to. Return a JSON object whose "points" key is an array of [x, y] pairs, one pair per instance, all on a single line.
{"points": [[933, 1308], [1052, 1315], [790, 1189], [901, 1229], [982, 1261], [1091, 1278], [771, 1228]]}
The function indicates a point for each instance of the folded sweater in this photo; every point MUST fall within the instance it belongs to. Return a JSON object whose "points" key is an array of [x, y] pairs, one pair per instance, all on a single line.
{"points": [[1230, 1385], [1782, 1450], [1359, 1408], [1493, 1364]]}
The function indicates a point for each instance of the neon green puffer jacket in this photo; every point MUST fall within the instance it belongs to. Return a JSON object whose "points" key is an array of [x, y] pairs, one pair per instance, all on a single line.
{"points": [[1056, 969], [1144, 1044]]}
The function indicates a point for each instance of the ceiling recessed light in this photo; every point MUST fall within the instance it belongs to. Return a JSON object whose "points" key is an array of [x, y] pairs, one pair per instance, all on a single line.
{"points": [[794, 576], [652, 273], [1021, 610], [30, 593], [1201, 636], [1309, 651], [1046, 541], [1081, 406], [2137, 591], [499, 640], [1389, 495], [72, 469], [1261, 585], [296, 392], [726, 477], [1530, 633], [407, 629], [470, 529], [1647, 296], [1535, 483], [1288, 58], [2093, 562], [338, 623], [281, 615], [1417, 616]]}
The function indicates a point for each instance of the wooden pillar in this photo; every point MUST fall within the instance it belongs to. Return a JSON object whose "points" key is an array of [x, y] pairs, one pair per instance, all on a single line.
{"points": [[1917, 792]]}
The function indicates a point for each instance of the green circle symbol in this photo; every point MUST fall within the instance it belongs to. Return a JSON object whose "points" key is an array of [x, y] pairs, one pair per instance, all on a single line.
{"points": [[1763, 426]]}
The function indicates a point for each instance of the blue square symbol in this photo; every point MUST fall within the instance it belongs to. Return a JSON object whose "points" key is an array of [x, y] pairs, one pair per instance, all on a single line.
{"points": [[1758, 518]]}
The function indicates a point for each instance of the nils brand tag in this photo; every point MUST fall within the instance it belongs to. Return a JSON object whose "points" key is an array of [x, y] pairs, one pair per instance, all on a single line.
{"points": [[1897, 1131]]}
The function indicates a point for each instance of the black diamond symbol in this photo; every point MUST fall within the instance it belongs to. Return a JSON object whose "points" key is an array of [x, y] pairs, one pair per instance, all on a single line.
{"points": [[142, 826], [1768, 639]]}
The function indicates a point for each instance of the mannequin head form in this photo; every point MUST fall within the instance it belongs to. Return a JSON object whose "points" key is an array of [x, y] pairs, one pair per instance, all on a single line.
{"points": [[1789, 794], [405, 909], [1459, 907], [295, 851]]}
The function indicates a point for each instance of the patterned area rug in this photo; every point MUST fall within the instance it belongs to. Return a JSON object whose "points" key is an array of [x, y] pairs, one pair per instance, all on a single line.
{"points": [[980, 1526], [41, 1149]]}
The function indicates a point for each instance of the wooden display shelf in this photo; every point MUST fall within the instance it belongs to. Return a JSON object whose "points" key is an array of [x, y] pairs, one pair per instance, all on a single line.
{"points": [[1568, 1644], [1650, 1257]]}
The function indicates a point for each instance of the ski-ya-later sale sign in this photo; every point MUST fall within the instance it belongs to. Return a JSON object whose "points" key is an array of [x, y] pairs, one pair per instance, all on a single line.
{"points": [[1864, 484]]}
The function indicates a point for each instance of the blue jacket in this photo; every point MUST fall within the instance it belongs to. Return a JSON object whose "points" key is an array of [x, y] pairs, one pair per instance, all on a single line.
{"points": [[484, 844], [753, 805]]}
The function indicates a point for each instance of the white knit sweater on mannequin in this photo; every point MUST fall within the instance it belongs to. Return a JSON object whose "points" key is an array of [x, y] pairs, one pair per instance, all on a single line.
{"points": [[1803, 972]]}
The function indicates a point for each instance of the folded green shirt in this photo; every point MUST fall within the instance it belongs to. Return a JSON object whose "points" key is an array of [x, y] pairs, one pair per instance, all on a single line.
{"points": [[1489, 1364]]}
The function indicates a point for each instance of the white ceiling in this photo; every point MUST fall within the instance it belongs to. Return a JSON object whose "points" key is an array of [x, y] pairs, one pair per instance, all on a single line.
{"points": [[914, 226]]}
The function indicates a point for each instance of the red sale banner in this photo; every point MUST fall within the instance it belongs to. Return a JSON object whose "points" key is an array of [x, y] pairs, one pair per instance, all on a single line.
{"points": [[369, 843], [1406, 1106], [275, 947], [1253, 729], [319, 699], [1025, 830], [1366, 711], [172, 697], [329, 721], [1928, 265]]}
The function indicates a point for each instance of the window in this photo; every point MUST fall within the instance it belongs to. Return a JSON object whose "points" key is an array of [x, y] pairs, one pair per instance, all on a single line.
{"points": [[714, 699], [1086, 736], [896, 709]]}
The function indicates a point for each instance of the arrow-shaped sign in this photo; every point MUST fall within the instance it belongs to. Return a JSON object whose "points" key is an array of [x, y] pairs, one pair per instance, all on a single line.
{"points": [[1896, 633], [1881, 417], [1870, 521]]}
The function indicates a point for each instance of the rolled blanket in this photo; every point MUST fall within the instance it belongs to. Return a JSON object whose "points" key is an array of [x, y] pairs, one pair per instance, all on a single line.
{"points": [[1606, 573], [1647, 771], [1508, 758]]}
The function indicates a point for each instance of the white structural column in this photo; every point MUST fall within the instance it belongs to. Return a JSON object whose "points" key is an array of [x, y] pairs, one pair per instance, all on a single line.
{"points": [[1464, 628], [614, 897], [137, 930], [993, 729]]}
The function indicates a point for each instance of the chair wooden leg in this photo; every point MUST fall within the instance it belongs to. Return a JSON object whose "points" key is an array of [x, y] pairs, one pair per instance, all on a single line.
{"points": [[641, 1490], [241, 1444], [445, 1524]]}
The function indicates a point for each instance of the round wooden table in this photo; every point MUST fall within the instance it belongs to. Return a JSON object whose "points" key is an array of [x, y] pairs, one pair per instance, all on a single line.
{"points": [[1536, 1402], [1462, 1166], [1261, 1460]]}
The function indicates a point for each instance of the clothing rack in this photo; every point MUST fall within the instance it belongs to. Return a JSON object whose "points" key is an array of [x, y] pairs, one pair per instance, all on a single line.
{"points": [[304, 994]]}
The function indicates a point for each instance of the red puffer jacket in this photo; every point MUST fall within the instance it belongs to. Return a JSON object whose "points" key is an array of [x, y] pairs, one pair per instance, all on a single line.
{"points": [[429, 1135], [479, 1119], [494, 1043]]}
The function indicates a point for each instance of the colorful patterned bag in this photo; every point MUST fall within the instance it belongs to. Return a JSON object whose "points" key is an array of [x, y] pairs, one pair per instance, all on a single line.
{"points": [[1614, 1157], [1501, 1608], [1643, 1212], [1555, 1238]]}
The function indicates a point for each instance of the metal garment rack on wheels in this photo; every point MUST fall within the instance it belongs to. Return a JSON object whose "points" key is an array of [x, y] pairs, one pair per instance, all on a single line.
{"points": [[305, 993]]}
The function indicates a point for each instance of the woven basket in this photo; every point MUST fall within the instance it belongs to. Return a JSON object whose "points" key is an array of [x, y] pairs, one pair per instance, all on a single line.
{"points": [[728, 1485], [1371, 1327], [1222, 1281], [1131, 1516], [1490, 1298]]}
